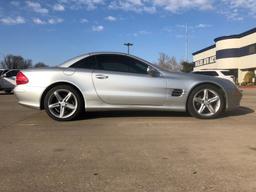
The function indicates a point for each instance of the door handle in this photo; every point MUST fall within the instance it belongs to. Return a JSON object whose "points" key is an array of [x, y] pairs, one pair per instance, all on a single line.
{"points": [[101, 76]]}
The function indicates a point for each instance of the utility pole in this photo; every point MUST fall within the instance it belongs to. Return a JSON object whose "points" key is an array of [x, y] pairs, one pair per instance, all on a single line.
{"points": [[187, 41], [128, 47]]}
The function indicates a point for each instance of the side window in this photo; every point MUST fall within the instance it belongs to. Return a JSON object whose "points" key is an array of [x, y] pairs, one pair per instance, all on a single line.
{"points": [[227, 73], [210, 73], [112, 63], [121, 63], [213, 73], [86, 63], [138, 66]]}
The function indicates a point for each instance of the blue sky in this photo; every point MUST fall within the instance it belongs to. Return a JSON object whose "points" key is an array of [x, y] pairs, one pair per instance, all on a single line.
{"points": [[53, 31]]}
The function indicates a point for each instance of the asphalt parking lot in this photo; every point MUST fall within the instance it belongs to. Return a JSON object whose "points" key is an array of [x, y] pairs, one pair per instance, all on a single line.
{"points": [[127, 151]]}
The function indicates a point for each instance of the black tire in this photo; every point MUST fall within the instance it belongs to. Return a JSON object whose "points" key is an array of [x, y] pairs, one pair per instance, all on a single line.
{"points": [[75, 95], [191, 106]]}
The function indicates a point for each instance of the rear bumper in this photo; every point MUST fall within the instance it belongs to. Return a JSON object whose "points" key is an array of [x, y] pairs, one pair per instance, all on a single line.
{"points": [[29, 96]]}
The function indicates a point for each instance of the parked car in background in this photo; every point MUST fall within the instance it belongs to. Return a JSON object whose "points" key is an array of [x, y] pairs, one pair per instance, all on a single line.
{"points": [[2, 71], [224, 74], [8, 80], [117, 81]]}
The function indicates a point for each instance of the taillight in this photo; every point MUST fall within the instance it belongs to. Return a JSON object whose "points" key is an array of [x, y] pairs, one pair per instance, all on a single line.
{"points": [[21, 79]]}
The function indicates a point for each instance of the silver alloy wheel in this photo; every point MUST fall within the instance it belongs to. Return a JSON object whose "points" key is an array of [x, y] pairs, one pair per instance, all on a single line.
{"points": [[206, 102], [62, 103]]}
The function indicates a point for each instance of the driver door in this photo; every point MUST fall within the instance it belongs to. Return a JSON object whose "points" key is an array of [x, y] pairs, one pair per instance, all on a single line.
{"points": [[122, 80]]}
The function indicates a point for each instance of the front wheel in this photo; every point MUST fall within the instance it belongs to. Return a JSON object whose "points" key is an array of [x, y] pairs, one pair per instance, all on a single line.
{"points": [[63, 103], [206, 102]]}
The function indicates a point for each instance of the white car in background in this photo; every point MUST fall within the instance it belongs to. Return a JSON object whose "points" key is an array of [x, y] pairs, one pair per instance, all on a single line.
{"points": [[224, 74], [8, 80]]}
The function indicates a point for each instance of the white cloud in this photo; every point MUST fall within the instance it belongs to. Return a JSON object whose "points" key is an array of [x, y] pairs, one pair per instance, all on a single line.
{"points": [[36, 7], [177, 5], [80, 4], [58, 7], [141, 32], [202, 25], [127, 5], [55, 21], [150, 6], [97, 28], [12, 21], [238, 9], [232, 14], [244, 4], [110, 18], [50, 21], [150, 10], [135, 2], [39, 21], [84, 20], [231, 9], [15, 3], [197, 26]]}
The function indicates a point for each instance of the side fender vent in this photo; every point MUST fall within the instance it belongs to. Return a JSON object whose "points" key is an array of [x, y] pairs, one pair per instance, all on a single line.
{"points": [[177, 92]]}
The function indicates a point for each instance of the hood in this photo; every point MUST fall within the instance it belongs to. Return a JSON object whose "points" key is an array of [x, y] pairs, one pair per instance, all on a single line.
{"points": [[198, 78], [193, 76]]}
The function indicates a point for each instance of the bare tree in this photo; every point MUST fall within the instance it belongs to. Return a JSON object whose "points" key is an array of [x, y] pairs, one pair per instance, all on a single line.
{"points": [[40, 65], [168, 63], [15, 62]]}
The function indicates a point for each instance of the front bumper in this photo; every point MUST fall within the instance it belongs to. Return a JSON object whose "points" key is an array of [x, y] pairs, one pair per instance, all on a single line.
{"points": [[234, 99]]}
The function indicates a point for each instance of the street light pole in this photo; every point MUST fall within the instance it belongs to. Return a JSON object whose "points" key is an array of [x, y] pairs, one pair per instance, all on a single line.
{"points": [[128, 47], [187, 43]]}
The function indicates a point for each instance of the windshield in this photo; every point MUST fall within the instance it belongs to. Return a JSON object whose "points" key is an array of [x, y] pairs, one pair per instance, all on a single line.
{"points": [[164, 70]]}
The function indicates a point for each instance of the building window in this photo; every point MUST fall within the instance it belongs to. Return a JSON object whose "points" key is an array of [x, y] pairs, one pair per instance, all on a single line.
{"points": [[252, 49]]}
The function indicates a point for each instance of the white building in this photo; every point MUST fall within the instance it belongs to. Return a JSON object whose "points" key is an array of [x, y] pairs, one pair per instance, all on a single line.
{"points": [[236, 53]]}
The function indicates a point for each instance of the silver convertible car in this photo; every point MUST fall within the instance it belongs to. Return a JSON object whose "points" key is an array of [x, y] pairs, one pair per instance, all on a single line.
{"points": [[117, 81]]}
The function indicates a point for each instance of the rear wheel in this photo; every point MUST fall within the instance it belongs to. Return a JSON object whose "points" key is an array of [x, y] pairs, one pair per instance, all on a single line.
{"points": [[206, 102], [63, 103]]}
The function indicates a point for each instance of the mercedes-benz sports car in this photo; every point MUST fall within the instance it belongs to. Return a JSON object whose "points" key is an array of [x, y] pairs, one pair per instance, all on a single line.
{"points": [[117, 81]]}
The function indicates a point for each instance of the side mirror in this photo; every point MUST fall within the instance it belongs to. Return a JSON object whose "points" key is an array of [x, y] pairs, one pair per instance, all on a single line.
{"points": [[152, 72]]}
